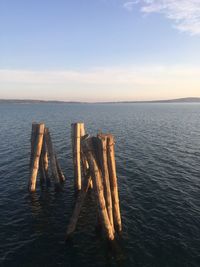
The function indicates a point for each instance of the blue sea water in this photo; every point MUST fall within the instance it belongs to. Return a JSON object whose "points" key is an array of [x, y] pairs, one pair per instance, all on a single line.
{"points": [[158, 167]]}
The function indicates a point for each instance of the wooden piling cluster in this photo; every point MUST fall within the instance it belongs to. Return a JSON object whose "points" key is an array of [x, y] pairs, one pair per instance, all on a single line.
{"points": [[94, 167], [95, 156], [42, 157]]}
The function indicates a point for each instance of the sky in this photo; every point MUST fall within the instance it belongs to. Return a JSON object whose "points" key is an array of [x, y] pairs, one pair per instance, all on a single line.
{"points": [[99, 50]]}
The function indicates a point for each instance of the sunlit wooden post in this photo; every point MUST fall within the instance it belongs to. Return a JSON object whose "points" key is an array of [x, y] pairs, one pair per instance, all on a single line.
{"points": [[35, 156], [88, 149], [102, 154], [113, 183], [76, 149]]}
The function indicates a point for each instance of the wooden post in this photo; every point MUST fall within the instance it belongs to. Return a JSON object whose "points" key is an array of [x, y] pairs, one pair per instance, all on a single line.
{"points": [[76, 155], [88, 149], [113, 183], [52, 159], [33, 140], [79, 203], [102, 153], [84, 163], [36, 157], [60, 173], [83, 158], [82, 129], [44, 175], [45, 160], [42, 170]]}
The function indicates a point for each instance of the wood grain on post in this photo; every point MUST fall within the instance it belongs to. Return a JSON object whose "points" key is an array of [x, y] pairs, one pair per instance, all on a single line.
{"points": [[79, 203], [36, 157], [87, 145], [76, 155], [102, 152], [52, 158], [113, 183]]}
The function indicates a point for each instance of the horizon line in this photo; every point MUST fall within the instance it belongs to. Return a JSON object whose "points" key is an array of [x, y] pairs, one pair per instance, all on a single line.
{"points": [[183, 99]]}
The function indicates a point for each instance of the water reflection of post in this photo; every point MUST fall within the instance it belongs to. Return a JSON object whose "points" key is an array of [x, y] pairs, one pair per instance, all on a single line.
{"points": [[35, 204], [40, 211]]}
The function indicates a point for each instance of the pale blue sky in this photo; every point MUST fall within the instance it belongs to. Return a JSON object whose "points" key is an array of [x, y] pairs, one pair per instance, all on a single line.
{"points": [[99, 49]]}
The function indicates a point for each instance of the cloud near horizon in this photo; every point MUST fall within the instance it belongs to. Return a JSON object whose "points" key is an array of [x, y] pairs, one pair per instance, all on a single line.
{"points": [[102, 84], [185, 14]]}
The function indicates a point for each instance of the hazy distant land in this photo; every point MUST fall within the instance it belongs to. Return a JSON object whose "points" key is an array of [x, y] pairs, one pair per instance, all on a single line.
{"points": [[27, 101]]}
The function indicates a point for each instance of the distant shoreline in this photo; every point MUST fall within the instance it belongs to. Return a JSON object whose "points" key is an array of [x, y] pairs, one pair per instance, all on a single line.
{"points": [[30, 101]]}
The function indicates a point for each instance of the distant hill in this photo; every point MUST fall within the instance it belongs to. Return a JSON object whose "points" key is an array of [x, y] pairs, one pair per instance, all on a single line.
{"points": [[178, 100], [181, 100], [24, 101], [27, 101]]}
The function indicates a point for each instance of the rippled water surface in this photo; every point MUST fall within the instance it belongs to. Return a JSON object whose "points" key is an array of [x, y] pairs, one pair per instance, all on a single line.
{"points": [[158, 166]]}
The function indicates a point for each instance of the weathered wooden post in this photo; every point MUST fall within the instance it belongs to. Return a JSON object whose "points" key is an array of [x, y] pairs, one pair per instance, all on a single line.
{"points": [[44, 176], [35, 157], [75, 130], [83, 158], [45, 160], [52, 159], [88, 149], [102, 154], [79, 203], [33, 140], [60, 173], [113, 183], [84, 163], [42, 170], [82, 129]]}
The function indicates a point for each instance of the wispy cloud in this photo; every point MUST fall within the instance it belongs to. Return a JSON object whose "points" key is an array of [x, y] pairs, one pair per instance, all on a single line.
{"points": [[130, 4], [185, 14], [102, 84], [135, 75]]}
